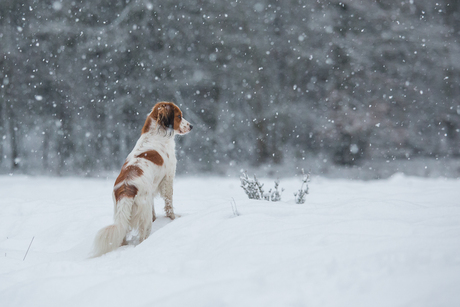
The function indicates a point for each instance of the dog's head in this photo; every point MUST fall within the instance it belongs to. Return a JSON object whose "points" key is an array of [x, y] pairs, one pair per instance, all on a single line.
{"points": [[167, 116]]}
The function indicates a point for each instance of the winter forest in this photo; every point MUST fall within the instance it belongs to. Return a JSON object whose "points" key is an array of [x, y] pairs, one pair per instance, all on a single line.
{"points": [[264, 82]]}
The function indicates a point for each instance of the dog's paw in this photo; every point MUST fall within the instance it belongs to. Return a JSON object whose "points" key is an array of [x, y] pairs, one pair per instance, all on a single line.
{"points": [[173, 216]]}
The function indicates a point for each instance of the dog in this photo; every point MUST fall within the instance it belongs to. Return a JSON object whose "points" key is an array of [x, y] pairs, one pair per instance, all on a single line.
{"points": [[149, 170]]}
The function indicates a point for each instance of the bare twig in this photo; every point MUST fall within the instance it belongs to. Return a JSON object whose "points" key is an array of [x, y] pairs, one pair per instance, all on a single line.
{"points": [[234, 208], [28, 248]]}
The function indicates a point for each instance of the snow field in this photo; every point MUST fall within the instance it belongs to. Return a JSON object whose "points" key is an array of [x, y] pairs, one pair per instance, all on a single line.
{"points": [[392, 242]]}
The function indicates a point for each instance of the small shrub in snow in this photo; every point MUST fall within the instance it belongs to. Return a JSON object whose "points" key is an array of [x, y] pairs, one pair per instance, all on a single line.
{"points": [[276, 194], [300, 195], [254, 189]]}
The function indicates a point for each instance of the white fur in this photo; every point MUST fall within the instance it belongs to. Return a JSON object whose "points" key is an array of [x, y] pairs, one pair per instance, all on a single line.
{"points": [[139, 212]]}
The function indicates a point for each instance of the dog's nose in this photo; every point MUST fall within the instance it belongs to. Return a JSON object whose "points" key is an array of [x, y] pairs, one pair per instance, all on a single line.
{"points": [[191, 126]]}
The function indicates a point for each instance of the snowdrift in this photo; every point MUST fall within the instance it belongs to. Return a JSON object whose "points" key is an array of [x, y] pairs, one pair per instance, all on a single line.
{"points": [[377, 243]]}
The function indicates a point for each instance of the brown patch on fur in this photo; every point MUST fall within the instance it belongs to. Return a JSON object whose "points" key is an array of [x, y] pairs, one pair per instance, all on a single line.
{"points": [[129, 173], [147, 124], [177, 117], [153, 156], [167, 114], [125, 190]]}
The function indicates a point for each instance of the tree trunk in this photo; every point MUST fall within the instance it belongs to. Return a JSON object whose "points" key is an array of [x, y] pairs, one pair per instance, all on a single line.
{"points": [[2, 128], [13, 138], [46, 143]]}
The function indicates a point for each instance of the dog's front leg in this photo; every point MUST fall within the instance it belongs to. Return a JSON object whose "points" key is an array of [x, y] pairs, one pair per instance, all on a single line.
{"points": [[167, 194]]}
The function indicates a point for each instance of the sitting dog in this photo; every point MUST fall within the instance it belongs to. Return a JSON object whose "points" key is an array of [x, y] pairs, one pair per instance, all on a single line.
{"points": [[148, 171]]}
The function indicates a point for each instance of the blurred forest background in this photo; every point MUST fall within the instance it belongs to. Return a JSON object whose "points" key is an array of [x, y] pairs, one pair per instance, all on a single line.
{"points": [[265, 82]]}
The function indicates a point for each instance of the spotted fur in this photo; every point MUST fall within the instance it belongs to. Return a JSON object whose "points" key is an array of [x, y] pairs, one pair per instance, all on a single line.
{"points": [[148, 171]]}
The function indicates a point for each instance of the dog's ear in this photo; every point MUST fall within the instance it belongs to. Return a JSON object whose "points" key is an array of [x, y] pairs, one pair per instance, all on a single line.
{"points": [[165, 116]]}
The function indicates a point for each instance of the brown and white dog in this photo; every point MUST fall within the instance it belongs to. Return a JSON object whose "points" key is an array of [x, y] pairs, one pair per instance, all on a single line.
{"points": [[148, 171]]}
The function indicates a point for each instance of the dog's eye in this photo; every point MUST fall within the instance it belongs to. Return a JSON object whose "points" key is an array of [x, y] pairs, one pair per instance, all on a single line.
{"points": [[180, 117]]}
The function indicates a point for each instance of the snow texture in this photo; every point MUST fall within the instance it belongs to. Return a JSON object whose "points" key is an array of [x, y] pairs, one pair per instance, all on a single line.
{"points": [[392, 242]]}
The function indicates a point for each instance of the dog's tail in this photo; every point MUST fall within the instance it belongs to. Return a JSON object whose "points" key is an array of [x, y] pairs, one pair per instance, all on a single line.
{"points": [[111, 237]]}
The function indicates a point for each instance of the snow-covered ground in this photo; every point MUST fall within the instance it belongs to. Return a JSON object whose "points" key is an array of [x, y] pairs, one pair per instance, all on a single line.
{"points": [[392, 242]]}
